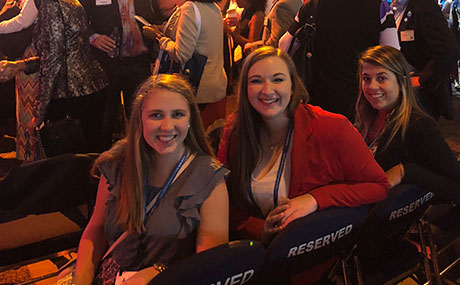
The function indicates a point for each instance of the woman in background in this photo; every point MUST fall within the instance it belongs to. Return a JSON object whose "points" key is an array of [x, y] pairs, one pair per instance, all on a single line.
{"points": [[70, 78], [251, 23], [182, 37]]}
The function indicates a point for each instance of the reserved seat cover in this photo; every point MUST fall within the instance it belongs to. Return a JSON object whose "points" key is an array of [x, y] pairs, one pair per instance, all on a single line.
{"points": [[312, 240], [404, 205], [232, 263]]}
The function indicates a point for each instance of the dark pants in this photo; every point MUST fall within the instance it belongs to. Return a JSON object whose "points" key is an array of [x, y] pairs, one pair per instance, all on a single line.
{"points": [[125, 75], [86, 109], [438, 101], [7, 108]]}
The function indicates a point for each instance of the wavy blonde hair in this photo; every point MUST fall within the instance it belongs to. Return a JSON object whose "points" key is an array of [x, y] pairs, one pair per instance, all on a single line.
{"points": [[136, 155], [393, 60]]}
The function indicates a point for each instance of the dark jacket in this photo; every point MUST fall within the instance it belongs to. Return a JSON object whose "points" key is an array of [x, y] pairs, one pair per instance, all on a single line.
{"points": [[427, 159], [433, 52]]}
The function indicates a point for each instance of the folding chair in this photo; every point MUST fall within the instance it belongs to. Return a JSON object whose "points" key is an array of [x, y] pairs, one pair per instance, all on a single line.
{"points": [[440, 229], [233, 263], [309, 242], [383, 254], [39, 212]]}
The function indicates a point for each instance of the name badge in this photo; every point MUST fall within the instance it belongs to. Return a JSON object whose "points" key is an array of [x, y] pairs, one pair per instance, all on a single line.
{"points": [[124, 276], [103, 2], [407, 36]]}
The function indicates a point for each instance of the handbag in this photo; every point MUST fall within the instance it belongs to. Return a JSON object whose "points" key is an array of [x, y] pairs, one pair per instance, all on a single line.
{"points": [[193, 68], [63, 136], [65, 273]]}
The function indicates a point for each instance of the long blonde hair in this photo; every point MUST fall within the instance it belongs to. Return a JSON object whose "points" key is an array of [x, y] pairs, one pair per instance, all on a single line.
{"points": [[245, 148], [136, 155], [393, 60]]}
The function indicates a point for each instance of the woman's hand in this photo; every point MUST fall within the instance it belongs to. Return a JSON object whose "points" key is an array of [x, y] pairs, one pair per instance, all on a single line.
{"points": [[395, 175], [299, 207], [273, 222], [249, 47], [8, 70], [152, 32], [282, 215], [32, 125]]}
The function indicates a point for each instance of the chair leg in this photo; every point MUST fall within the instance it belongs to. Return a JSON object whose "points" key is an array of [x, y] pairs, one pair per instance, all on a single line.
{"points": [[434, 255], [426, 261], [358, 271], [346, 280]]}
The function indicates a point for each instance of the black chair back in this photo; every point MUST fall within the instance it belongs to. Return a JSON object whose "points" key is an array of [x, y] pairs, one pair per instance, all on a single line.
{"points": [[57, 184], [47, 185], [310, 241], [392, 217], [382, 251], [232, 263]]}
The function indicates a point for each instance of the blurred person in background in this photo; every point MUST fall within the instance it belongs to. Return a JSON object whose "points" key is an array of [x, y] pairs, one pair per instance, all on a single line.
{"points": [[432, 51], [70, 78]]}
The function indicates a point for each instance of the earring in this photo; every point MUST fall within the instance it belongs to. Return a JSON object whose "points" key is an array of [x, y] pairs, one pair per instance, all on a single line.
{"points": [[188, 125]]}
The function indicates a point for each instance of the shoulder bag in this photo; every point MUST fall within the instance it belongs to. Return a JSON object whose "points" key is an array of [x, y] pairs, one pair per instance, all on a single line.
{"points": [[193, 68]]}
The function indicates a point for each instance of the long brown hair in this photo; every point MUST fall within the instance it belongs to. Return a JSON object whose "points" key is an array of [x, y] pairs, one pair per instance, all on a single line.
{"points": [[393, 60], [245, 148], [136, 155]]}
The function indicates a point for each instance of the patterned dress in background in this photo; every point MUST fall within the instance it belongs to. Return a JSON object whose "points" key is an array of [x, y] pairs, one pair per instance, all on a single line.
{"points": [[27, 147]]}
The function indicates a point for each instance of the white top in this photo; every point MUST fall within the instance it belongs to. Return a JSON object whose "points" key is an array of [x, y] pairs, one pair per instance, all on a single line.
{"points": [[262, 188], [22, 21]]}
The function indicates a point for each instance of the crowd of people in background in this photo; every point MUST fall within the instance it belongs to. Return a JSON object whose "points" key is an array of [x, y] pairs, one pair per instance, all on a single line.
{"points": [[366, 122]]}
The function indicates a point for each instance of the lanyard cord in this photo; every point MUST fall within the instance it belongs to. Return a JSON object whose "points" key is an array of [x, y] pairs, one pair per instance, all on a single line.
{"points": [[154, 203]]}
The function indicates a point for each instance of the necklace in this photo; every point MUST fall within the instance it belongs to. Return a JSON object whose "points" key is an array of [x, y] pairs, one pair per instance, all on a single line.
{"points": [[276, 145]]}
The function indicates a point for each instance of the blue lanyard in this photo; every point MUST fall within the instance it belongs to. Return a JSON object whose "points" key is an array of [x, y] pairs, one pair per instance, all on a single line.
{"points": [[280, 170], [165, 187]]}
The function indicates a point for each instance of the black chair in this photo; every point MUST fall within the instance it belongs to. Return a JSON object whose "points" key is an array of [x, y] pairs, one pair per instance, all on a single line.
{"points": [[309, 242], [440, 228], [232, 263], [384, 255], [41, 207]]}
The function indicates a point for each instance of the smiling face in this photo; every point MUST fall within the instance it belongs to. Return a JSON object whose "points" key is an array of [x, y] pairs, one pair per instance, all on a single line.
{"points": [[165, 121], [380, 87], [269, 87]]}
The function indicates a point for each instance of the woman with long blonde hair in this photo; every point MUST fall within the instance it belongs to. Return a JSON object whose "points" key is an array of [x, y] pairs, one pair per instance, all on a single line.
{"points": [[405, 141], [161, 195]]}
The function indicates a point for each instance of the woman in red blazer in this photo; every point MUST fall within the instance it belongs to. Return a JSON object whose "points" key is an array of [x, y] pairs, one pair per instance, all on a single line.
{"points": [[289, 159]]}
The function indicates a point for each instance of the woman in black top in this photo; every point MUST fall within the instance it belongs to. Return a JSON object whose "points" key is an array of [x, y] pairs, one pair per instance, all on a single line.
{"points": [[406, 142]]}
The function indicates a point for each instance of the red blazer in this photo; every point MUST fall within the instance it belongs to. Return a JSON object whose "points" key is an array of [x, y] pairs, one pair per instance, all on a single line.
{"points": [[330, 160]]}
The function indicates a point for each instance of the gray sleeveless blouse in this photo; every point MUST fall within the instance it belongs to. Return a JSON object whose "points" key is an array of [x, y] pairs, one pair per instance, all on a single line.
{"points": [[171, 228]]}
